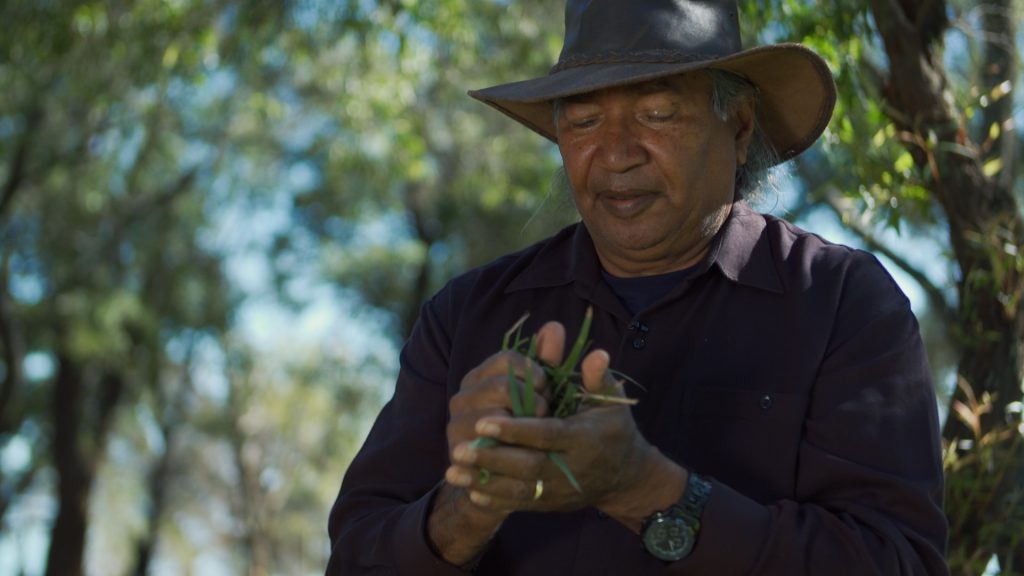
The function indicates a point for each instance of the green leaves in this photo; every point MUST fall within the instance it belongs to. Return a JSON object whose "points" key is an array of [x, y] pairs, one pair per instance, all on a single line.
{"points": [[567, 391]]}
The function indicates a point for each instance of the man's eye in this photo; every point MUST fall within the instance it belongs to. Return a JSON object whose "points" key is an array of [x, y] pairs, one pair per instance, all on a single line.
{"points": [[659, 115], [583, 123]]}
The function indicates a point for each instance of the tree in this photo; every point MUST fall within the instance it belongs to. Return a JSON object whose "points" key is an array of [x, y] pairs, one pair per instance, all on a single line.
{"points": [[403, 144], [971, 177], [340, 136], [927, 147], [102, 258]]}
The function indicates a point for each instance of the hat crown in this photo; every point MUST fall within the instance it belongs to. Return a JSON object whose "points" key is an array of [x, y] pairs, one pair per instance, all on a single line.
{"points": [[689, 28]]}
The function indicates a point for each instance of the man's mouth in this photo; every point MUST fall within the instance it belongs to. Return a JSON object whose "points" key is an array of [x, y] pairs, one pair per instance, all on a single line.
{"points": [[625, 203]]}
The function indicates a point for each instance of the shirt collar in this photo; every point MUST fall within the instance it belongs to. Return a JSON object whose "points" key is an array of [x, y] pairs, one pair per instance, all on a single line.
{"points": [[741, 251]]}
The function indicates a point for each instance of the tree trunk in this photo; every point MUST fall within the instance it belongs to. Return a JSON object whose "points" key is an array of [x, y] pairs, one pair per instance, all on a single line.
{"points": [[77, 456], [159, 477], [172, 401], [986, 233], [67, 537]]}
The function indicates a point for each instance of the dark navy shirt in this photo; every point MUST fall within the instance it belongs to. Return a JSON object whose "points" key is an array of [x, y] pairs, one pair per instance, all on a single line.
{"points": [[788, 369]]}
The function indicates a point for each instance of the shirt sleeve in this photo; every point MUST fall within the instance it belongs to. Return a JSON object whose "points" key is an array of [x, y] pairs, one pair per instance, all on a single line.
{"points": [[378, 522], [868, 493]]}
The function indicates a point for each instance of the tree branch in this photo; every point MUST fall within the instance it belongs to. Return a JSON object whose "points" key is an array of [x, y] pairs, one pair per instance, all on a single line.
{"points": [[13, 349], [999, 67], [19, 160], [937, 300]]}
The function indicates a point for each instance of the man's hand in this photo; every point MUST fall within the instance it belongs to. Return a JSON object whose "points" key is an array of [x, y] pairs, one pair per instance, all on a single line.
{"points": [[618, 470], [457, 527], [484, 390]]}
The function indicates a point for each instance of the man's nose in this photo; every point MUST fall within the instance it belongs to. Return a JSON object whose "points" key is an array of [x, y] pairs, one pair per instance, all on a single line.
{"points": [[621, 147]]}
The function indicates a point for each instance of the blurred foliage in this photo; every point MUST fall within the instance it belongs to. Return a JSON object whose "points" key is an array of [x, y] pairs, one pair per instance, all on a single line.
{"points": [[162, 160], [974, 480]]}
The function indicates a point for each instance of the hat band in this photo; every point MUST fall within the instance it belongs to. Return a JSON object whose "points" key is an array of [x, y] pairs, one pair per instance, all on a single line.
{"points": [[626, 57]]}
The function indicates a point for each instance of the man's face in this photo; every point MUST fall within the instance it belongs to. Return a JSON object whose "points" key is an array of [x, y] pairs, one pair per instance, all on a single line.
{"points": [[652, 169]]}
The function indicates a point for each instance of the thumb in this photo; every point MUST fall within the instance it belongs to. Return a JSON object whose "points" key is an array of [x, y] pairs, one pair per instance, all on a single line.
{"points": [[597, 379], [551, 343]]}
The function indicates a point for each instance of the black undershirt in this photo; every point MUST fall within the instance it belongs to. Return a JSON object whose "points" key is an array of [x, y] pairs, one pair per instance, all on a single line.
{"points": [[639, 292]]}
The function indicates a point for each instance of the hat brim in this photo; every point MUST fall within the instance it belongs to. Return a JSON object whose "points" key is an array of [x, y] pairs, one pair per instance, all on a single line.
{"points": [[796, 91]]}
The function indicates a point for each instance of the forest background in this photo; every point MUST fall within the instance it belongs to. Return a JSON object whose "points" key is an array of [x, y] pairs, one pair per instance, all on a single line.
{"points": [[218, 220]]}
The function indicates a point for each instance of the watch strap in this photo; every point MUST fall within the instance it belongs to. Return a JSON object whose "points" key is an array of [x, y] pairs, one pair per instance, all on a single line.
{"points": [[695, 496], [685, 514]]}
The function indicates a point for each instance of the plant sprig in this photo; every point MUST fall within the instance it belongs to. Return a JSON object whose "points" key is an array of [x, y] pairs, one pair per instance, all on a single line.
{"points": [[567, 391]]}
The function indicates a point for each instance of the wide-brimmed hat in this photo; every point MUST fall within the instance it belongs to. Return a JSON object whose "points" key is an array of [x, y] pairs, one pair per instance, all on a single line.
{"points": [[617, 42]]}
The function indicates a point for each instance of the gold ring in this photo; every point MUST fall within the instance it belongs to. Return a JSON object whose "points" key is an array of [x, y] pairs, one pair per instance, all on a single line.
{"points": [[538, 489]]}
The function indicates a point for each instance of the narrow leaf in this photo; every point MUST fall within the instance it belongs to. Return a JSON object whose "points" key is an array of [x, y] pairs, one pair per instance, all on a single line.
{"points": [[581, 341], [515, 331], [557, 459], [513, 394], [528, 406]]}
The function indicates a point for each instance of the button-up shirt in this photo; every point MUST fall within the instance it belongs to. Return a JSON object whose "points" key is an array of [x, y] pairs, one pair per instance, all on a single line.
{"points": [[788, 369]]}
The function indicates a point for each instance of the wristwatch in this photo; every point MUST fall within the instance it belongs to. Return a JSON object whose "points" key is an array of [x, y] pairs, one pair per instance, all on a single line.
{"points": [[670, 534]]}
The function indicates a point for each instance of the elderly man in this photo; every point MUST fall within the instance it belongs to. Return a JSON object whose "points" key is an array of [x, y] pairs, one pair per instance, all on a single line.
{"points": [[784, 420]]}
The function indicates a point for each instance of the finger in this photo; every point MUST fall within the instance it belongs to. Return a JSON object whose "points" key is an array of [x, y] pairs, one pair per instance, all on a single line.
{"points": [[486, 481], [507, 494], [497, 367], [491, 393], [551, 342], [503, 460], [597, 379], [544, 434], [462, 426], [465, 416]]}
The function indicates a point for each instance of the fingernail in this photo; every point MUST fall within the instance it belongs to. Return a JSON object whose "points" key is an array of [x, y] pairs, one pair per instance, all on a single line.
{"points": [[457, 478], [485, 428], [465, 453], [479, 499]]}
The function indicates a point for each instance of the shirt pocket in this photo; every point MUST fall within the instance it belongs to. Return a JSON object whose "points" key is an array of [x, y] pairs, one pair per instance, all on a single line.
{"points": [[748, 439]]}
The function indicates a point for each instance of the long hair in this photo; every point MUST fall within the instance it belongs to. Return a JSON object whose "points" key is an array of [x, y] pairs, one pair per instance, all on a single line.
{"points": [[753, 176]]}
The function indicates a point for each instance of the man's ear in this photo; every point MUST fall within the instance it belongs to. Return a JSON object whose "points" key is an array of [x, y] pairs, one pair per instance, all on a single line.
{"points": [[743, 119]]}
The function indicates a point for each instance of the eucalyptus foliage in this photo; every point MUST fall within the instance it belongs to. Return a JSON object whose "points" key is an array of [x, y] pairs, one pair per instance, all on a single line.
{"points": [[151, 149]]}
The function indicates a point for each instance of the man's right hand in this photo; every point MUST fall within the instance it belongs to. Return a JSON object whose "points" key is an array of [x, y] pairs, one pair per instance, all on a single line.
{"points": [[457, 528]]}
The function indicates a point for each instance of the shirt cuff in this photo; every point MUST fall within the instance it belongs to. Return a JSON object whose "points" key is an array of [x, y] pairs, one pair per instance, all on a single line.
{"points": [[414, 554], [733, 530]]}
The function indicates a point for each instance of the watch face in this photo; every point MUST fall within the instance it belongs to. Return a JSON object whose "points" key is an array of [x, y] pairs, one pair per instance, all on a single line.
{"points": [[669, 538]]}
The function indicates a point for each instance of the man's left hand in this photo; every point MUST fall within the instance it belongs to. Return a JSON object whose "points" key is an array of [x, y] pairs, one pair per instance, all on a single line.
{"points": [[619, 472]]}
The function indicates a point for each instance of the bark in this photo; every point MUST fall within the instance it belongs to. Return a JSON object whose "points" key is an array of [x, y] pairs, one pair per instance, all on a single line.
{"points": [[19, 160], [76, 460], [251, 508], [13, 350], [998, 25], [159, 481], [415, 207], [986, 231], [419, 199], [67, 537], [161, 474]]}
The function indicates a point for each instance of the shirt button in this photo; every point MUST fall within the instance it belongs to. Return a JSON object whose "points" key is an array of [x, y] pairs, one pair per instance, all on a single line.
{"points": [[639, 343], [766, 401]]}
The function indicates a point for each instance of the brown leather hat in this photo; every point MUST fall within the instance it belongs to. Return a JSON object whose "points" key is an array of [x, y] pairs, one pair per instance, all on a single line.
{"points": [[615, 42]]}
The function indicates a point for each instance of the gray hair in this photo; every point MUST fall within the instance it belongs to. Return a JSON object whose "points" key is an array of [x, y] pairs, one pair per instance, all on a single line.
{"points": [[753, 176]]}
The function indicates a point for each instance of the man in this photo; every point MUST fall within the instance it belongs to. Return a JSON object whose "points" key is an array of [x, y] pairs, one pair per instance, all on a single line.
{"points": [[784, 421]]}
